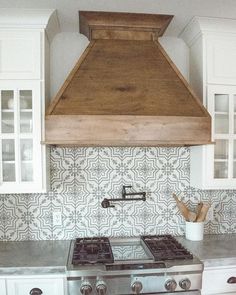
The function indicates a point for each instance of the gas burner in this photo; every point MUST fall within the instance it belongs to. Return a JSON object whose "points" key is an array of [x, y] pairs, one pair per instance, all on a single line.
{"points": [[165, 247], [92, 250]]}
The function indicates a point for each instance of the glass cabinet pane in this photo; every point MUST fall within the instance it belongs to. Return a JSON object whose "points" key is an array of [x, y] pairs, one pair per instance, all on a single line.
{"points": [[8, 160], [221, 113], [221, 156], [26, 150], [7, 122], [7, 99], [8, 150], [26, 111], [25, 99], [8, 172], [221, 149], [235, 150], [221, 169], [26, 122], [26, 172], [221, 124], [221, 103], [7, 111]]}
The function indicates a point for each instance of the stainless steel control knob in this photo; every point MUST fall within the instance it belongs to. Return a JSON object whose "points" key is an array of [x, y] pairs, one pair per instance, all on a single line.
{"points": [[101, 288], [137, 287], [185, 284], [170, 285], [86, 288]]}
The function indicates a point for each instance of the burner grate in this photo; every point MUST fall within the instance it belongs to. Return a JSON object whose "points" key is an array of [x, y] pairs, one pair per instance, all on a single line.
{"points": [[92, 250], [165, 247]]}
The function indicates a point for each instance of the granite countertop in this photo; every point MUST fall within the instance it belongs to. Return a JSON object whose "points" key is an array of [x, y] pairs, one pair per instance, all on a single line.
{"points": [[214, 250], [33, 257], [50, 257]]}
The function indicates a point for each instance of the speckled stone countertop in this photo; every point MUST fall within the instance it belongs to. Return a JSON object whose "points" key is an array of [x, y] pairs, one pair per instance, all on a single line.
{"points": [[214, 250], [33, 257], [50, 257]]}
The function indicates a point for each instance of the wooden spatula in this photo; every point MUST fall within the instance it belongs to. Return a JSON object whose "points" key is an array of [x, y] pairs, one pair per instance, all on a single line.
{"points": [[188, 215], [198, 210], [202, 215]]}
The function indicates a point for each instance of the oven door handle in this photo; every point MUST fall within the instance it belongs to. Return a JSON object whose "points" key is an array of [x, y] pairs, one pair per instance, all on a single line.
{"points": [[231, 280]]}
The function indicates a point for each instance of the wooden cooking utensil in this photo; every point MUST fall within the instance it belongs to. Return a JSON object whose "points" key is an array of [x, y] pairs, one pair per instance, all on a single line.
{"points": [[192, 216], [188, 215], [198, 210], [202, 215]]}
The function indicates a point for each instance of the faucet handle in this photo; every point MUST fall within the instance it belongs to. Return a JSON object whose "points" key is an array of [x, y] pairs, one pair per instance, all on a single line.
{"points": [[124, 187], [106, 204]]}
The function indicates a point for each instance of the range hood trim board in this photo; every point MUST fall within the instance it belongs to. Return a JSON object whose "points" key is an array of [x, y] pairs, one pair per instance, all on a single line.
{"points": [[126, 130], [108, 25], [73, 119]]}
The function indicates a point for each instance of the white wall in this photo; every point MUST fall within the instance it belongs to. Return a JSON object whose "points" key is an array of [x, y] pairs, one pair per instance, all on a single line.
{"points": [[67, 47], [178, 51], [65, 50]]}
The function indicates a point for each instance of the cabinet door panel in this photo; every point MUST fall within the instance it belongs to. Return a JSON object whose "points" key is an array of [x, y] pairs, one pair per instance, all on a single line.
{"points": [[19, 55], [215, 281], [221, 60], [21, 154], [24, 286], [220, 158], [2, 287]]}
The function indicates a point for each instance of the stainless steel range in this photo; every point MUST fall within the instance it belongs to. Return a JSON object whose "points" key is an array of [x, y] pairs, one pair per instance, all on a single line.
{"points": [[148, 265]]}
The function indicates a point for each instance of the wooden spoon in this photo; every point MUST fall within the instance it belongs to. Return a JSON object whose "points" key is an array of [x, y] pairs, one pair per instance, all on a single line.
{"points": [[198, 210], [188, 215], [192, 216], [202, 215]]}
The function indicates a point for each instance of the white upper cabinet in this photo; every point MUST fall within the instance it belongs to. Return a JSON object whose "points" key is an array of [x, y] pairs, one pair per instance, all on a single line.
{"points": [[212, 44], [20, 55], [221, 60], [24, 50], [22, 155]]}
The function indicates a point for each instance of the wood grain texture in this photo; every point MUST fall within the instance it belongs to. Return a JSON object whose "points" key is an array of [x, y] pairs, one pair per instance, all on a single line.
{"points": [[71, 75], [127, 78], [111, 130], [106, 23], [125, 90], [202, 215]]}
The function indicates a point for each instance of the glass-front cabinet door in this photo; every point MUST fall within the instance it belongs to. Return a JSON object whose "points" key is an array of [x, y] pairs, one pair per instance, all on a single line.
{"points": [[222, 159], [20, 137]]}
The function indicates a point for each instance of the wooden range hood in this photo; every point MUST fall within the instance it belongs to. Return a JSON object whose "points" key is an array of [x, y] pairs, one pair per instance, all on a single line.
{"points": [[124, 90]]}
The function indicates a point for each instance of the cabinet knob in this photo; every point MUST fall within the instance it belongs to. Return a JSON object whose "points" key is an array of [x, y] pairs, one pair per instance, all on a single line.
{"points": [[36, 291], [232, 280]]}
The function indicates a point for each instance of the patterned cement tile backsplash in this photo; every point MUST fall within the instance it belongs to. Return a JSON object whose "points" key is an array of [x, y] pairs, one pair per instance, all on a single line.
{"points": [[82, 177]]}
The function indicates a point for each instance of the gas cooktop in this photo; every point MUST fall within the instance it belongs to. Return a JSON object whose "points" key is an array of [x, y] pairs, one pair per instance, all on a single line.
{"points": [[99, 250], [151, 264]]}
